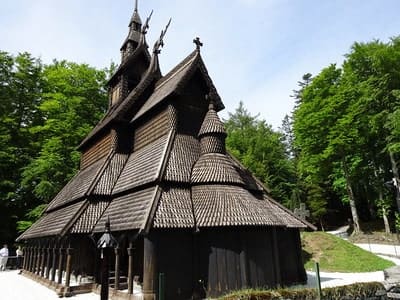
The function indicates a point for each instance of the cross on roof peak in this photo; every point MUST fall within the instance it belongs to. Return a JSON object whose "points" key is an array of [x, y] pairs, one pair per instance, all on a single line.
{"points": [[198, 43], [302, 212]]}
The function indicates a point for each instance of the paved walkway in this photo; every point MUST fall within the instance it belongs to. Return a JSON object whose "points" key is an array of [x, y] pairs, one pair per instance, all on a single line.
{"points": [[329, 279], [17, 287]]}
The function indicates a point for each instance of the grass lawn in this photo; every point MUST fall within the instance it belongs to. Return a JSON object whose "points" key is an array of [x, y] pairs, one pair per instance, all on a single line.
{"points": [[337, 255]]}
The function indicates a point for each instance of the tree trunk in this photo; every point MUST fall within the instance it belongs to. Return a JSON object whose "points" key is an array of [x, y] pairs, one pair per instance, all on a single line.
{"points": [[384, 213], [352, 201], [395, 172]]}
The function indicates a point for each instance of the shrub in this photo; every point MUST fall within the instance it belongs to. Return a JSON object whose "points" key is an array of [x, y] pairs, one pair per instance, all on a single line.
{"points": [[359, 291]]}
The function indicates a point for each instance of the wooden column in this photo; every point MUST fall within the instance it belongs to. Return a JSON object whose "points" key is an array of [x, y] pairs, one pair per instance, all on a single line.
{"points": [[31, 259], [53, 264], [38, 260], [68, 267], [244, 270], [33, 262], [130, 269], [60, 265], [26, 258], [116, 282], [149, 269], [34, 259], [43, 261], [47, 272], [277, 265]]}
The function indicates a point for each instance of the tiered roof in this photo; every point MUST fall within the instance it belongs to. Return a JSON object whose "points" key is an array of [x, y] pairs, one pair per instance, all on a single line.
{"points": [[175, 180]]}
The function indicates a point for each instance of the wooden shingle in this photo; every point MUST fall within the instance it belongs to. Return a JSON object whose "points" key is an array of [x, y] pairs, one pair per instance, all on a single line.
{"points": [[129, 211]]}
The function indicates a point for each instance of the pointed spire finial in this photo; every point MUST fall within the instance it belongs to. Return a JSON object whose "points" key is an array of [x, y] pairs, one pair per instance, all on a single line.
{"points": [[160, 42], [198, 43], [136, 5]]}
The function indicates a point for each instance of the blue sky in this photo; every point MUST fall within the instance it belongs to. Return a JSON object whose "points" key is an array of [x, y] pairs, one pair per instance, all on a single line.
{"points": [[255, 50]]}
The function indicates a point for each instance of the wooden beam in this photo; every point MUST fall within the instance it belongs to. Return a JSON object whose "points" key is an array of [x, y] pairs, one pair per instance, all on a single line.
{"points": [[130, 268], [149, 269], [53, 264], [116, 282], [60, 265]]}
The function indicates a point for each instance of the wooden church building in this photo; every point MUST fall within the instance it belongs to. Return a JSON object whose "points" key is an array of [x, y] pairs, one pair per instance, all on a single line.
{"points": [[179, 205]]}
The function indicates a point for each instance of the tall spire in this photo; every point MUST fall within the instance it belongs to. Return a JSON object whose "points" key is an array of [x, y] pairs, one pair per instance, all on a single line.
{"points": [[135, 17], [134, 35]]}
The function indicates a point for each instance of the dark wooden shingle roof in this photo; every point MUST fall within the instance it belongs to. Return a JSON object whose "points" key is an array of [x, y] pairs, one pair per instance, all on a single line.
{"points": [[224, 205], [185, 151], [54, 223], [110, 174], [174, 209], [215, 168], [90, 216], [175, 80], [78, 186], [129, 211], [143, 166]]}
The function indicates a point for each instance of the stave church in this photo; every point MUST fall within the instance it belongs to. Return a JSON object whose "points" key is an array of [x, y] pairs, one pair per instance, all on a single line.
{"points": [[189, 219]]}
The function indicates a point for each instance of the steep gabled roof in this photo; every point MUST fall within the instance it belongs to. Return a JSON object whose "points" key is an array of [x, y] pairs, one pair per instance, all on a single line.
{"points": [[54, 223], [175, 81], [144, 165], [78, 186], [140, 52], [129, 211], [117, 112]]}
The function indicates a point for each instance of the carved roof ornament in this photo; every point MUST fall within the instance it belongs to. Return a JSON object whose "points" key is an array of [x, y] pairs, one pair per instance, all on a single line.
{"points": [[146, 24], [198, 43], [143, 31], [160, 42]]}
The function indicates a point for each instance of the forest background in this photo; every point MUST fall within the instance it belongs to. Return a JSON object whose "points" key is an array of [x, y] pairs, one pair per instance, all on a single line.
{"points": [[337, 152]]}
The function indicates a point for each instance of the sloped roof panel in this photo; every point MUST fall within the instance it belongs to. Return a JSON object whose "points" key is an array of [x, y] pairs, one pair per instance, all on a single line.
{"points": [[185, 151], [223, 205], [77, 186], [52, 223], [167, 85], [128, 211], [215, 168], [89, 217], [143, 166], [174, 209], [110, 175]]}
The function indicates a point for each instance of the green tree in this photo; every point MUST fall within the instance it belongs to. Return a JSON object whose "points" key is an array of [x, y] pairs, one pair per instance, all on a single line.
{"points": [[74, 99], [345, 125], [20, 95], [261, 150]]}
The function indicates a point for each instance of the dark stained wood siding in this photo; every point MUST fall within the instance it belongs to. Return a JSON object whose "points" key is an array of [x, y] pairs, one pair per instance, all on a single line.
{"points": [[232, 258], [153, 129], [291, 265], [175, 260], [97, 151]]}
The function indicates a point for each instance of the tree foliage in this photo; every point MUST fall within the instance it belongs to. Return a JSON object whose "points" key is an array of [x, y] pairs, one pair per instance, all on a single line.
{"points": [[45, 111], [346, 126], [261, 150]]}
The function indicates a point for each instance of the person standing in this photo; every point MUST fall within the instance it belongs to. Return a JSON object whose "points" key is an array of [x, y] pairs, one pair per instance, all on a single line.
{"points": [[20, 255], [3, 257]]}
